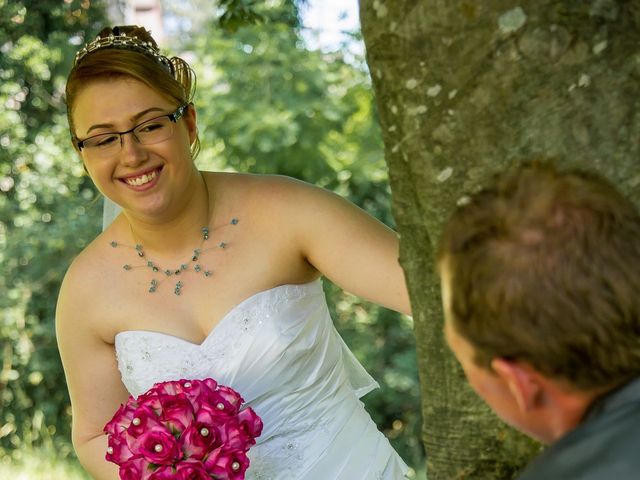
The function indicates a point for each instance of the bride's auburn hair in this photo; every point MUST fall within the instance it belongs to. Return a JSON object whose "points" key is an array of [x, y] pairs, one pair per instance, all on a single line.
{"points": [[177, 84]]}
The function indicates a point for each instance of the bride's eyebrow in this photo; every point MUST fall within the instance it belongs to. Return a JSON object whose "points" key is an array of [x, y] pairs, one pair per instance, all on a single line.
{"points": [[133, 119]]}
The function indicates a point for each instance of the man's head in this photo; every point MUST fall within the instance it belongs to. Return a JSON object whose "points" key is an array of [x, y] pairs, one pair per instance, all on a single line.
{"points": [[541, 289]]}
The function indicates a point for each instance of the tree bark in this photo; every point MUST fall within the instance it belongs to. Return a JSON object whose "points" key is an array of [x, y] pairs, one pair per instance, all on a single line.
{"points": [[465, 88]]}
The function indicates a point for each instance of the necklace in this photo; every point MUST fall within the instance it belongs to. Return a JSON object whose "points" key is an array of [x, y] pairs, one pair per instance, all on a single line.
{"points": [[193, 263]]}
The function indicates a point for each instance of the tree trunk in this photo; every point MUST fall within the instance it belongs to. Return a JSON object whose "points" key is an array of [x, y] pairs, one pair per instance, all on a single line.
{"points": [[465, 88]]}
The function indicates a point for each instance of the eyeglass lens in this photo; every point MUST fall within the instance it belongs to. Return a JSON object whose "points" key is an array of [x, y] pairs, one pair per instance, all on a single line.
{"points": [[152, 131]]}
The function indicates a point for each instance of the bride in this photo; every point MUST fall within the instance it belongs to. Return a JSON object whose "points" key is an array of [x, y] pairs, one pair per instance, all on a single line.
{"points": [[208, 274]]}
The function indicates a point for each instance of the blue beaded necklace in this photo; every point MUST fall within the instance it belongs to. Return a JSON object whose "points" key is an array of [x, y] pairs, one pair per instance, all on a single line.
{"points": [[192, 264]]}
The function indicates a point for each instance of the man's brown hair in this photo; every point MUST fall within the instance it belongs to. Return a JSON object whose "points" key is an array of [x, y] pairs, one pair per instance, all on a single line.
{"points": [[545, 268]]}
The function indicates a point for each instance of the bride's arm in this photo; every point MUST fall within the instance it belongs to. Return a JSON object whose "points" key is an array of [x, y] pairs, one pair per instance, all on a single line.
{"points": [[343, 242], [91, 373]]}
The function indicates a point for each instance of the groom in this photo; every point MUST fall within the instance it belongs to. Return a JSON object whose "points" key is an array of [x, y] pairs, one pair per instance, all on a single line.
{"points": [[541, 290]]}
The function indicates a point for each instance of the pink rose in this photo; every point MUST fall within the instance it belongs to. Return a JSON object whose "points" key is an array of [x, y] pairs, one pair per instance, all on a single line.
{"points": [[167, 388], [225, 399], [118, 450], [211, 415], [231, 398], [134, 469], [144, 420], [227, 463], [199, 439], [177, 411], [191, 471], [250, 422], [233, 436], [120, 420], [195, 388], [149, 400], [164, 472], [210, 383], [156, 446]]}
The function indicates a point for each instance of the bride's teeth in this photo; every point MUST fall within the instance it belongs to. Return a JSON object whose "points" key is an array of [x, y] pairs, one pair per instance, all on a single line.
{"points": [[146, 178]]}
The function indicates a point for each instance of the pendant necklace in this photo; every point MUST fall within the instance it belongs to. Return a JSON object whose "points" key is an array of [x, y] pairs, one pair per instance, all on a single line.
{"points": [[193, 263]]}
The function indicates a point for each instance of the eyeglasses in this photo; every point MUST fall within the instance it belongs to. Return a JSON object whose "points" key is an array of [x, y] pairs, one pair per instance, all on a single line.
{"points": [[155, 130]]}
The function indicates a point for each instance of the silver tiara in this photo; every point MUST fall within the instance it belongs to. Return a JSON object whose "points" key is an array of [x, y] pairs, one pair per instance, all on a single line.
{"points": [[123, 42]]}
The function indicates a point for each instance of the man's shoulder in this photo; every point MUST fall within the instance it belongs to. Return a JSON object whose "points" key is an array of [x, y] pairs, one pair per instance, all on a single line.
{"points": [[604, 447]]}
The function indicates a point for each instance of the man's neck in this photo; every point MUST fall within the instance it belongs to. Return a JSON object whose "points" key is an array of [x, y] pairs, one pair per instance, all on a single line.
{"points": [[568, 409]]}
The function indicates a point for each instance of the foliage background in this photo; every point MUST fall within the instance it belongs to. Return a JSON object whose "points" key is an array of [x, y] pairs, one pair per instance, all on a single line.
{"points": [[47, 213], [266, 103]]}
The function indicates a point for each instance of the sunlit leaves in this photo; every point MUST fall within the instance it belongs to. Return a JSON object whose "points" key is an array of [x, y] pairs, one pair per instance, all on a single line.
{"points": [[238, 13], [43, 214], [31, 52], [278, 107]]}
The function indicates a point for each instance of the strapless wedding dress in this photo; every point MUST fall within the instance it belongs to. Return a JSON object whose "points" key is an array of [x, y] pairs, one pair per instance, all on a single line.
{"points": [[280, 351]]}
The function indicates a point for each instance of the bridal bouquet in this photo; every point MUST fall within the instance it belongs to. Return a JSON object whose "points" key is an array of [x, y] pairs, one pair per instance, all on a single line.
{"points": [[185, 430]]}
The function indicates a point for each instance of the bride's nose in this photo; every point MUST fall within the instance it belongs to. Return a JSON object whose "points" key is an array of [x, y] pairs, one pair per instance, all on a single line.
{"points": [[132, 151]]}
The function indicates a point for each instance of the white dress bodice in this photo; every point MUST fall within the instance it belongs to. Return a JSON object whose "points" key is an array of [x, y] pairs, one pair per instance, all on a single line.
{"points": [[280, 351]]}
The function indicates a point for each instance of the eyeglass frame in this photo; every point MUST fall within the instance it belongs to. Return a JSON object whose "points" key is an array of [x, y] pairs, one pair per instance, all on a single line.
{"points": [[174, 117]]}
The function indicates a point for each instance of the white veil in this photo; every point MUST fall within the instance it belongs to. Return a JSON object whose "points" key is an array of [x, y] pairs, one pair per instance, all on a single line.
{"points": [[109, 212]]}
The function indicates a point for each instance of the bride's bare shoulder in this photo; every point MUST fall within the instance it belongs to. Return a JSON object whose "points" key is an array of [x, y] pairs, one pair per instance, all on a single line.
{"points": [[266, 189], [250, 180], [94, 256], [86, 280]]}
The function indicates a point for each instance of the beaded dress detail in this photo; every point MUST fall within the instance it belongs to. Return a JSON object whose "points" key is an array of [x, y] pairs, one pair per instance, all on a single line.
{"points": [[280, 351]]}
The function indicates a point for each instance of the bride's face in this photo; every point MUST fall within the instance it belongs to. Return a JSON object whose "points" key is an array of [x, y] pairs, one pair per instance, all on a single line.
{"points": [[145, 179]]}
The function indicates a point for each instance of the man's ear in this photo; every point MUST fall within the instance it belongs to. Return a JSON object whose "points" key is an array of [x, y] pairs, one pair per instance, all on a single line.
{"points": [[522, 381]]}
